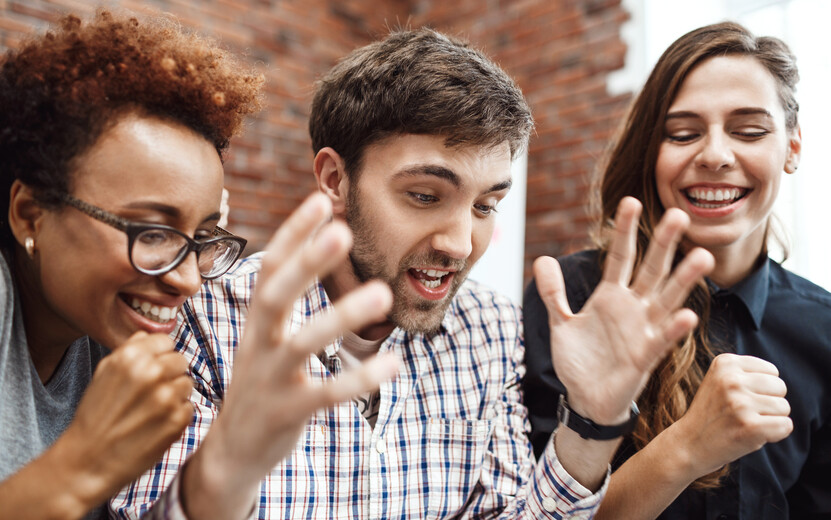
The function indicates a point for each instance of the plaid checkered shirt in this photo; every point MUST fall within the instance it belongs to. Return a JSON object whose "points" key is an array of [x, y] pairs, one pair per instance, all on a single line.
{"points": [[450, 439]]}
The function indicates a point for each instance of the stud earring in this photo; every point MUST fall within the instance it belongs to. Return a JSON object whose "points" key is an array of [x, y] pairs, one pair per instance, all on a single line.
{"points": [[29, 245]]}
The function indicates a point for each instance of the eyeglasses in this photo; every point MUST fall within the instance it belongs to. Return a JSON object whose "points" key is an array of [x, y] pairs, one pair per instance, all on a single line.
{"points": [[156, 249]]}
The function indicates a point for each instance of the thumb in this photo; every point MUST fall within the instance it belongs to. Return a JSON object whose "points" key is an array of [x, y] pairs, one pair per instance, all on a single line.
{"points": [[552, 290]]}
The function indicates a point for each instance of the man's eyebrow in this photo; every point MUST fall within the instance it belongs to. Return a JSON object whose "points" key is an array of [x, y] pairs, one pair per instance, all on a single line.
{"points": [[165, 209], [499, 186], [430, 169], [446, 174]]}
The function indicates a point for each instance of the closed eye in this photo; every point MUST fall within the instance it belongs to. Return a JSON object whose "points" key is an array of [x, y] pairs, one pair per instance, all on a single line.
{"points": [[682, 138], [751, 134], [422, 198], [485, 209]]}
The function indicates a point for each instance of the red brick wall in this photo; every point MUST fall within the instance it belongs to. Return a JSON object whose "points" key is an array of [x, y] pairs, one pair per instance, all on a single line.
{"points": [[559, 51]]}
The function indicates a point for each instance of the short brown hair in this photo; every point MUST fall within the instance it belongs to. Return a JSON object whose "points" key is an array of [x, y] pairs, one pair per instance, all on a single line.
{"points": [[417, 82], [61, 90]]}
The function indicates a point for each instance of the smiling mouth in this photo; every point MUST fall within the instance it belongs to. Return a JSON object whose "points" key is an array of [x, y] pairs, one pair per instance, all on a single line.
{"points": [[430, 278], [153, 312], [711, 198]]}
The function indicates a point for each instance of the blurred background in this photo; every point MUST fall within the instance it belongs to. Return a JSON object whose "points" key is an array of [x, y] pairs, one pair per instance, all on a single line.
{"points": [[578, 62]]}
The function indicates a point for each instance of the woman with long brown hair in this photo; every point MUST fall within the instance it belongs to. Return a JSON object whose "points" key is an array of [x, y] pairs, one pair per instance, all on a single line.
{"points": [[737, 421]]}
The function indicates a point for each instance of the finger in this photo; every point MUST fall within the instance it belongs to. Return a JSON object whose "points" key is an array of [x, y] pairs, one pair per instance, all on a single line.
{"points": [[277, 290], [183, 386], [697, 264], [361, 307], [173, 365], [551, 287], [148, 343], [757, 365], [675, 328], [622, 248], [656, 264], [772, 406], [765, 384], [775, 427], [300, 226], [365, 378], [136, 358]]}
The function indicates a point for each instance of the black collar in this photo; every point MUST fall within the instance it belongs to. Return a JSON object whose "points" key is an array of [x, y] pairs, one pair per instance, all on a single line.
{"points": [[752, 291]]}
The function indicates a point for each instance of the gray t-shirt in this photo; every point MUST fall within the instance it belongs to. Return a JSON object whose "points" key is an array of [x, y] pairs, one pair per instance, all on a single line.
{"points": [[32, 414]]}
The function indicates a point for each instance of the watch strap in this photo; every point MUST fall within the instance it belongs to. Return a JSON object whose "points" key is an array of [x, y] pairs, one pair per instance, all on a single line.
{"points": [[589, 429]]}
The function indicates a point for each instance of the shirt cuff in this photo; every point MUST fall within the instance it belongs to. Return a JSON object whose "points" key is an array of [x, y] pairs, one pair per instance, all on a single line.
{"points": [[556, 494], [170, 506]]}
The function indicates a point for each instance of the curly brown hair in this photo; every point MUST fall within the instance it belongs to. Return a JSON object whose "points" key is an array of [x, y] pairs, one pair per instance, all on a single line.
{"points": [[62, 89], [417, 82]]}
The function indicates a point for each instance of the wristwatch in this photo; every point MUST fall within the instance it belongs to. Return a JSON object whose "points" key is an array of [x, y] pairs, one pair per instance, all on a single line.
{"points": [[589, 429]]}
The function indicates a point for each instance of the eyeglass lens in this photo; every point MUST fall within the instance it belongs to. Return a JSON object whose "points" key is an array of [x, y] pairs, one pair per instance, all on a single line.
{"points": [[156, 250]]}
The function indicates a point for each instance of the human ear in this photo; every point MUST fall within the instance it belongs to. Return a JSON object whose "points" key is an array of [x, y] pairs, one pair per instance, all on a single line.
{"points": [[25, 213], [794, 150], [331, 177]]}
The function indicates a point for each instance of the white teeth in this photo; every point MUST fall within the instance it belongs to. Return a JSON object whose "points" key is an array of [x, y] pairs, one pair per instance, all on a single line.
{"points": [[700, 195], [431, 284], [435, 277], [433, 273], [156, 313]]}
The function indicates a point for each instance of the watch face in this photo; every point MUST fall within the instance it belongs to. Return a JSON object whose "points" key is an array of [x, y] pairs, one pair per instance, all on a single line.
{"points": [[562, 410]]}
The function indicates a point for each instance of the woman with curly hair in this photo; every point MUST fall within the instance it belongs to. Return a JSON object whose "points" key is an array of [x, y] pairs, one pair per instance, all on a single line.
{"points": [[112, 134], [735, 423]]}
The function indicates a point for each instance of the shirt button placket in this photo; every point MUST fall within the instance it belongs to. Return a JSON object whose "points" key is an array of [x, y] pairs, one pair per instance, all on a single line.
{"points": [[549, 504], [375, 509]]}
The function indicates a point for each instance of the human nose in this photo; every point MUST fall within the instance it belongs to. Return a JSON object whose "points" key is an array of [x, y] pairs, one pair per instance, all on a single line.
{"points": [[454, 236], [185, 277], [716, 155]]}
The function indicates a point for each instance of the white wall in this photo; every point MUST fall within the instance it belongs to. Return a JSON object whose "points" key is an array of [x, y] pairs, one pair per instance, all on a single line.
{"points": [[502, 265]]}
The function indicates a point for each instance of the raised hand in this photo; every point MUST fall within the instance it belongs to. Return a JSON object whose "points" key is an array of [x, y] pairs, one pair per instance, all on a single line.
{"points": [[605, 353], [271, 399], [739, 407]]}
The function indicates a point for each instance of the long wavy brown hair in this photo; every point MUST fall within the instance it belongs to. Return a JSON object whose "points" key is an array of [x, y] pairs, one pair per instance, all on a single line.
{"points": [[629, 169]]}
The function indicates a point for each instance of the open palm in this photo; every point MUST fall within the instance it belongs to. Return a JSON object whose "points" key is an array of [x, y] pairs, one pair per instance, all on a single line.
{"points": [[605, 353]]}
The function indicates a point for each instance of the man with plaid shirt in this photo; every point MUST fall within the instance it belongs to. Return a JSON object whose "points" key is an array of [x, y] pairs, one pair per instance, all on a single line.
{"points": [[414, 137]]}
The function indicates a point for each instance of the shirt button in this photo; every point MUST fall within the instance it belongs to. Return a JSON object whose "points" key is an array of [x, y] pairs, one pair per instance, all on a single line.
{"points": [[549, 504], [381, 446]]}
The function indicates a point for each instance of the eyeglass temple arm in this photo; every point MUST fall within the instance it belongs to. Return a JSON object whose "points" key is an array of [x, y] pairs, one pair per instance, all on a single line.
{"points": [[96, 212]]}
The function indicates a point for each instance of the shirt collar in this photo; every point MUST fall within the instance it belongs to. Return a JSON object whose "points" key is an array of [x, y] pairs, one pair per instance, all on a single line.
{"points": [[752, 291]]}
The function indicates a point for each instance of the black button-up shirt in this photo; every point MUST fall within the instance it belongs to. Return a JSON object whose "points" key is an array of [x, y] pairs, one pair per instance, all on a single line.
{"points": [[772, 314]]}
